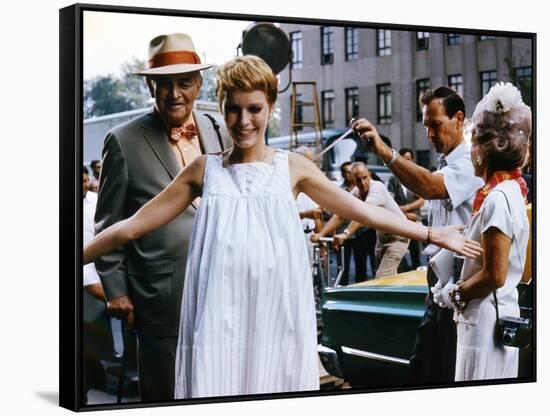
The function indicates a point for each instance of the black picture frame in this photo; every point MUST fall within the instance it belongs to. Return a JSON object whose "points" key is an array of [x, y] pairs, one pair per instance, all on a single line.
{"points": [[71, 160]]}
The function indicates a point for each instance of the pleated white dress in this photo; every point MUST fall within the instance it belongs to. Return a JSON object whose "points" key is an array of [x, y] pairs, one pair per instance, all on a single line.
{"points": [[248, 319], [478, 355]]}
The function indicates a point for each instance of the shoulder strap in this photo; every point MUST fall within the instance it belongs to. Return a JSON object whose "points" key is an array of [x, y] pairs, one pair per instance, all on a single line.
{"points": [[216, 127]]}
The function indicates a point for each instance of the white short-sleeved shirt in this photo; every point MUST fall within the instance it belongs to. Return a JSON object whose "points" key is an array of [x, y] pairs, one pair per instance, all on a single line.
{"points": [[90, 275], [379, 195], [511, 221], [461, 184], [305, 203]]}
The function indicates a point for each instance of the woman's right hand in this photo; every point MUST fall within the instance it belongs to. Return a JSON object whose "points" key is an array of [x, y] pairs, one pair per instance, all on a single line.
{"points": [[452, 238]]}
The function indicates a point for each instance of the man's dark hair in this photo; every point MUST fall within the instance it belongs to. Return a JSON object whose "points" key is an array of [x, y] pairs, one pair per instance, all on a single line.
{"points": [[343, 165], [452, 102], [93, 163], [85, 170], [404, 150]]}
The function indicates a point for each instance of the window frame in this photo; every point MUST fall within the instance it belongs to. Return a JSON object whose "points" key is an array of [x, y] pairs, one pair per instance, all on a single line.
{"points": [[327, 45], [383, 103], [383, 42], [297, 58]]}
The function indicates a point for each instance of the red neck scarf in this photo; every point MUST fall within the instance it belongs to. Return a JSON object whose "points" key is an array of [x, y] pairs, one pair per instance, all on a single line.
{"points": [[497, 178]]}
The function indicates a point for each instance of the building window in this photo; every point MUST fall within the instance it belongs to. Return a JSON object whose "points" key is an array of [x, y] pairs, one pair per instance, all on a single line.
{"points": [[327, 102], [454, 39], [383, 42], [352, 103], [296, 44], [524, 74], [422, 40], [327, 45], [457, 83], [483, 37], [352, 43], [488, 79], [423, 158], [383, 93], [524, 81], [422, 85], [299, 113]]}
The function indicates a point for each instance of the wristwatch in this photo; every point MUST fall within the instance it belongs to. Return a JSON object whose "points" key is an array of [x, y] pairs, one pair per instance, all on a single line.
{"points": [[394, 156], [346, 232]]}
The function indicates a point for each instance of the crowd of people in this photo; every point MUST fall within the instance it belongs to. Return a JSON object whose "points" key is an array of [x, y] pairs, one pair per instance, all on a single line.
{"points": [[199, 232]]}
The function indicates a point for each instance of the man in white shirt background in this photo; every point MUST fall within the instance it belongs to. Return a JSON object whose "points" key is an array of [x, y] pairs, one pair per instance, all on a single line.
{"points": [[390, 248], [450, 190]]}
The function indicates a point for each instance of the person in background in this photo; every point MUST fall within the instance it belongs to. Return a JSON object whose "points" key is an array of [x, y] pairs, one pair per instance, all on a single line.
{"points": [[94, 306], [450, 190], [409, 203], [347, 179], [390, 248], [95, 165], [363, 244]]}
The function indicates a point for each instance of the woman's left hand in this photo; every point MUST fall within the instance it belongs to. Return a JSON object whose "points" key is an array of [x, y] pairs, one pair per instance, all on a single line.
{"points": [[451, 238], [441, 294]]}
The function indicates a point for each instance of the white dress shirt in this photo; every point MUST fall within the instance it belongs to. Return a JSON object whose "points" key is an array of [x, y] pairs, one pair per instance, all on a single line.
{"points": [[461, 184], [90, 275]]}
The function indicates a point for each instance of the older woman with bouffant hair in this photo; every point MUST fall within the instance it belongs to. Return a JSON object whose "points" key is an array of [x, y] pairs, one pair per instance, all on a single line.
{"points": [[500, 134]]}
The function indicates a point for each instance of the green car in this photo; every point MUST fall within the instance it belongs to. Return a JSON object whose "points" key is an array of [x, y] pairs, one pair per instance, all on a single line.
{"points": [[369, 329]]}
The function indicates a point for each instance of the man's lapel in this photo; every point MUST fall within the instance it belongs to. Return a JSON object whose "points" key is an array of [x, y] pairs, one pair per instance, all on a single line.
{"points": [[155, 135]]}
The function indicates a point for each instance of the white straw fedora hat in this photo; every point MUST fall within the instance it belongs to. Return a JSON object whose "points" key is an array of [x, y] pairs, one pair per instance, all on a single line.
{"points": [[171, 55]]}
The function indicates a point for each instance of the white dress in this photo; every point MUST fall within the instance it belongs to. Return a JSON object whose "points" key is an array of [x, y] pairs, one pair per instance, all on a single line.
{"points": [[478, 356], [248, 320]]}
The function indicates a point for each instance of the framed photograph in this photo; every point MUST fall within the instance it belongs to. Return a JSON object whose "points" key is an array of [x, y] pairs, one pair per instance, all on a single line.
{"points": [[213, 263]]}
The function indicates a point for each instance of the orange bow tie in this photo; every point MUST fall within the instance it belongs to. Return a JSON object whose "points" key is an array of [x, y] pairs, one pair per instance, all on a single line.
{"points": [[188, 131]]}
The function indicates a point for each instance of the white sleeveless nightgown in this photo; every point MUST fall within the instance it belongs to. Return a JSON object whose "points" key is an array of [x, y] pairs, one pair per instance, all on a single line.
{"points": [[248, 319]]}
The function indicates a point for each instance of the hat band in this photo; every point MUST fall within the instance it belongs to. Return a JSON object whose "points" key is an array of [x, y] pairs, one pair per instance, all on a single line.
{"points": [[174, 58]]}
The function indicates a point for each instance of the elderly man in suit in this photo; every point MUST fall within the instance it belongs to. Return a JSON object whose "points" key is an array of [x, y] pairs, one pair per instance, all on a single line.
{"points": [[144, 281]]}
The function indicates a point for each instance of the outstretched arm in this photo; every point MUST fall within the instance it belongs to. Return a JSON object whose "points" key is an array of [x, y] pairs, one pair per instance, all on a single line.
{"points": [[159, 211], [307, 178]]}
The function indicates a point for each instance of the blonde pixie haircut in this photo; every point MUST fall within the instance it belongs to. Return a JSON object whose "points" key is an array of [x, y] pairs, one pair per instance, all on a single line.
{"points": [[246, 74]]}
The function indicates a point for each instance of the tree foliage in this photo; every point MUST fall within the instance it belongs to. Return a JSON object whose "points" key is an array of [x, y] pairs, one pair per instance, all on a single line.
{"points": [[523, 83], [107, 94], [208, 88]]}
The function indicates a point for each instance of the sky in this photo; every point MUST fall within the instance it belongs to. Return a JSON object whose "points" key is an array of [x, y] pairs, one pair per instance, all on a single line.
{"points": [[113, 38]]}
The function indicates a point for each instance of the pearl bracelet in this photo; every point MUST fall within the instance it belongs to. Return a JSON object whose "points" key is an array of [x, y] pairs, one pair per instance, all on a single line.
{"points": [[455, 295]]}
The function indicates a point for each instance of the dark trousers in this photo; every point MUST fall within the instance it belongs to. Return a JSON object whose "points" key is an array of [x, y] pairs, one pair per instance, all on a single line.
{"points": [[156, 367], [434, 354], [414, 250], [361, 248]]}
